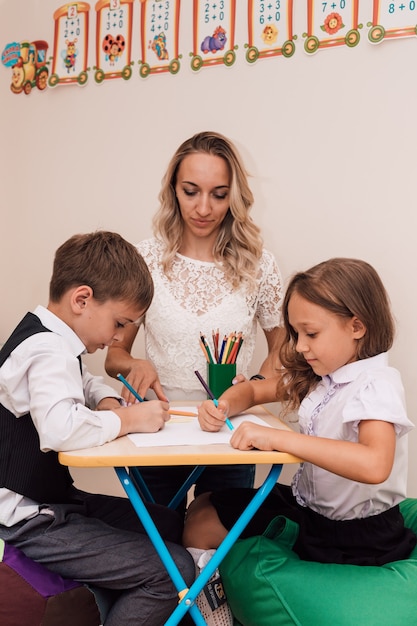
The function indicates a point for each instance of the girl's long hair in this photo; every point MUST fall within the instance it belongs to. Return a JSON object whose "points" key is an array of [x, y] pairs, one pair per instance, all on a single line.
{"points": [[238, 247], [348, 288]]}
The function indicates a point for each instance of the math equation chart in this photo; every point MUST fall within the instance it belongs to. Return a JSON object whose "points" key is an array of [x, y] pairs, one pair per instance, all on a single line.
{"points": [[331, 23], [270, 28], [392, 19], [213, 33], [69, 63], [113, 40], [159, 37]]}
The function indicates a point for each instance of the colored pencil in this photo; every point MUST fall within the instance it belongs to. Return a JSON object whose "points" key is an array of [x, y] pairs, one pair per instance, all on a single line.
{"points": [[206, 346], [233, 352], [138, 397], [215, 336], [129, 386], [222, 349], [226, 349], [211, 396], [203, 348]]}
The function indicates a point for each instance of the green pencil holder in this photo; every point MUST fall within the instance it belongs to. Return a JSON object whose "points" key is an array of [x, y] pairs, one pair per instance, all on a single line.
{"points": [[220, 376]]}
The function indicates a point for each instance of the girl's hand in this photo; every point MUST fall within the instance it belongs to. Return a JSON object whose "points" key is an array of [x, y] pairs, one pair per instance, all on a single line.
{"points": [[211, 418], [249, 436], [142, 376], [143, 417]]}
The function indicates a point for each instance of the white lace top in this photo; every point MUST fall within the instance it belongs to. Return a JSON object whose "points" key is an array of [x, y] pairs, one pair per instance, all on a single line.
{"points": [[197, 298]]}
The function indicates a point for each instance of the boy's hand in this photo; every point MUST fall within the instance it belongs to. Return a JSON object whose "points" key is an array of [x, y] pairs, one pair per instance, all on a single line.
{"points": [[211, 418], [143, 417], [108, 404]]}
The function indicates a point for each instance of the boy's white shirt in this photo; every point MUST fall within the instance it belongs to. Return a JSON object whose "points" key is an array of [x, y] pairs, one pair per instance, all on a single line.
{"points": [[42, 376]]}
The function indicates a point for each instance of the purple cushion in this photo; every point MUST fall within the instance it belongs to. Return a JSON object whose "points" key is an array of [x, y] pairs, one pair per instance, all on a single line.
{"points": [[45, 582], [32, 595]]}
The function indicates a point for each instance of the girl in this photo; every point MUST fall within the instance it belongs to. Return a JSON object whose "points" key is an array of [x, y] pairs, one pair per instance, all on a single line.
{"points": [[353, 426]]}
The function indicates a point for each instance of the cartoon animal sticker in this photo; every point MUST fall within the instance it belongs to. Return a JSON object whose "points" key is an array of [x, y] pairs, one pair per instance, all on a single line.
{"points": [[269, 34], [159, 46], [113, 47], [215, 42], [69, 55]]}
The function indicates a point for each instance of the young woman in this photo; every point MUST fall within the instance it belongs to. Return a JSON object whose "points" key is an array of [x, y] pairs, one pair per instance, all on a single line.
{"points": [[353, 425], [210, 271]]}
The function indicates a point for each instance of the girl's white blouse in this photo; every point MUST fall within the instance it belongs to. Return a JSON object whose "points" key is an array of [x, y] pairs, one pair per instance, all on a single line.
{"points": [[196, 298], [363, 390]]}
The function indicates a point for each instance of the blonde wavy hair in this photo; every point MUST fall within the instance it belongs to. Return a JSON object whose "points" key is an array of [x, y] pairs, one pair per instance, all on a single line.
{"points": [[239, 244]]}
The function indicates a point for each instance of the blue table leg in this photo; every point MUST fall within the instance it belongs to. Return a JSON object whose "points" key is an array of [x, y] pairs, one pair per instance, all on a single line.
{"points": [[159, 544], [142, 486], [188, 596], [226, 544], [182, 491]]}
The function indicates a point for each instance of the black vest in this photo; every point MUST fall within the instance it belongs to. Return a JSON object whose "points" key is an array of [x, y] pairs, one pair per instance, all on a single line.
{"points": [[24, 468]]}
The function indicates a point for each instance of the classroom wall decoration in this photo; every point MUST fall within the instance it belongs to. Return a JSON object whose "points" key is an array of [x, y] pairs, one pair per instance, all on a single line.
{"points": [[214, 33], [113, 39], [69, 63], [398, 17], [118, 44], [159, 37], [270, 29], [331, 24], [29, 65]]}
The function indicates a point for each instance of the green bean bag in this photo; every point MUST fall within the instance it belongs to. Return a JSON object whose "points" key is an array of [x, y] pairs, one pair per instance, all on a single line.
{"points": [[267, 584]]}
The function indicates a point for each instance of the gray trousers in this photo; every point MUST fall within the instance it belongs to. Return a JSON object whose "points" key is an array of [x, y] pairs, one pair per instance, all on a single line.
{"points": [[101, 542]]}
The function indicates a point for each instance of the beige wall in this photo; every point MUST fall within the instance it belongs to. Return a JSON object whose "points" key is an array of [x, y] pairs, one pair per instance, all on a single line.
{"points": [[329, 140]]}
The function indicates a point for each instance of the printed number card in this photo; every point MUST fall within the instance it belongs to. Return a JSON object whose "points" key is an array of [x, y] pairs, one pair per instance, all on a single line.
{"points": [[213, 33], [392, 20], [270, 29], [69, 63], [159, 37], [113, 39], [333, 23]]}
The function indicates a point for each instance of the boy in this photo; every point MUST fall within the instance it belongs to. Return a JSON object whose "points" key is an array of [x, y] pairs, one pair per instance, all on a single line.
{"points": [[50, 402]]}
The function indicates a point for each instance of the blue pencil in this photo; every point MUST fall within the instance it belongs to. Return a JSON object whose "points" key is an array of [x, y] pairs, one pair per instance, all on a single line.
{"points": [[129, 386], [211, 395], [222, 349]]}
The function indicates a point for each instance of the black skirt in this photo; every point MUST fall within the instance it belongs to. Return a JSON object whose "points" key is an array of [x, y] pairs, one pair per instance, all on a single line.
{"points": [[373, 540]]}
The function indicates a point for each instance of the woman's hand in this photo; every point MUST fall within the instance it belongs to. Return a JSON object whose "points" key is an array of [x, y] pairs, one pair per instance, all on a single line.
{"points": [[142, 376], [239, 378]]}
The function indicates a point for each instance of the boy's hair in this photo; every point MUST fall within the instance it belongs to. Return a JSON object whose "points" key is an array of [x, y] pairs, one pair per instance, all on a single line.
{"points": [[345, 287], [107, 263]]}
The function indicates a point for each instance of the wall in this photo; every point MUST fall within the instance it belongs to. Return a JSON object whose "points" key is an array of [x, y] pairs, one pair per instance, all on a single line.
{"points": [[328, 139]]}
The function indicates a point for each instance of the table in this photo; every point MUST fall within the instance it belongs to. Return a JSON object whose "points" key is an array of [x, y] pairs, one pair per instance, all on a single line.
{"points": [[125, 456]]}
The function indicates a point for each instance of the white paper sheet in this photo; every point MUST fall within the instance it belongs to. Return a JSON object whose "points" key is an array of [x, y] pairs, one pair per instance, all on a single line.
{"points": [[186, 431]]}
